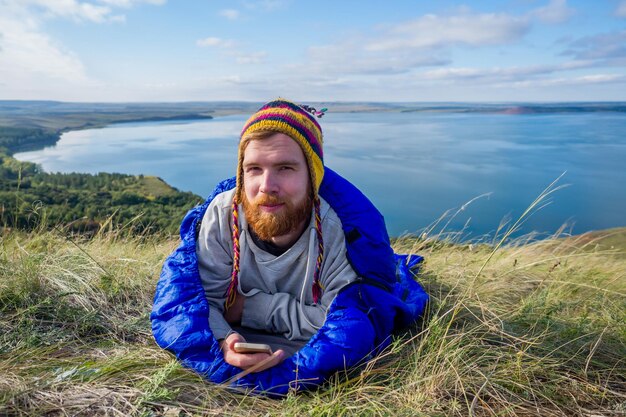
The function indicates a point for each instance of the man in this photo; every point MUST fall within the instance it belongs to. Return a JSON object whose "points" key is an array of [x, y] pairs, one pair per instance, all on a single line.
{"points": [[271, 252], [288, 254]]}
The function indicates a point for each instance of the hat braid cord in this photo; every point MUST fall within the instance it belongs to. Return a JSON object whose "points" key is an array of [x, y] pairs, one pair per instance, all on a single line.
{"points": [[231, 291], [317, 285]]}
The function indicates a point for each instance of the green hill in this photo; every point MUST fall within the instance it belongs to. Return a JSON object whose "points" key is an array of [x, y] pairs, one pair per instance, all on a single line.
{"points": [[528, 329], [85, 203]]}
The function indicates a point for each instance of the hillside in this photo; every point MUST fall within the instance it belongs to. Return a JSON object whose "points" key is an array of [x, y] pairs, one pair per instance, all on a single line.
{"points": [[533, 328], [84, 203]]}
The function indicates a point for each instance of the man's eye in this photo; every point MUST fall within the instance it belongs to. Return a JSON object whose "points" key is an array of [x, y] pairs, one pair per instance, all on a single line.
{"points": [[286, 168]]}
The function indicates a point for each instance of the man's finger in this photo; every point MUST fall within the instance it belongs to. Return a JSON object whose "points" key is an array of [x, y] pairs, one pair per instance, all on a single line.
{"points": [[234, 338], [276, 358], [270, 361], [245, 360]]}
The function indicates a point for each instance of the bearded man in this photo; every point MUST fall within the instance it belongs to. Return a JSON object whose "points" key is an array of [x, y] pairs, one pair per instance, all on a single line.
{"points": [[287, 254], [271, 252]]}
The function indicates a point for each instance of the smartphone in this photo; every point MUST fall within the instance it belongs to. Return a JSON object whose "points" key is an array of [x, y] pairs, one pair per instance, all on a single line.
{"points": [[241, 347]]}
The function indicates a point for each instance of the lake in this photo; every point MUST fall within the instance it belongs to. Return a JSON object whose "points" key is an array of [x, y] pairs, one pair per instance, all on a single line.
{"points": [[414, 166]]}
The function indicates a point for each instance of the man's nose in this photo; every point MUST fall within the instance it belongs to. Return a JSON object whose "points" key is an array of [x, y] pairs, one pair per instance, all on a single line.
{"points": [[268, 183]]}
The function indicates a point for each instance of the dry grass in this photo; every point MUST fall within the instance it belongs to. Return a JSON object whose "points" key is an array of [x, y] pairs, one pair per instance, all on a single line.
{"points": [[539, 329]]}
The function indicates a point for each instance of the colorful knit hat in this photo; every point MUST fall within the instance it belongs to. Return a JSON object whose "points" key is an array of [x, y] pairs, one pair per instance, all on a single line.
{"points": [[283, 116], [297, 122]]}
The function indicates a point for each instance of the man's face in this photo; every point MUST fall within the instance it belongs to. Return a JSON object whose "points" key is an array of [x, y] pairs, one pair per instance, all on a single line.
{"points": [[276, 186]]}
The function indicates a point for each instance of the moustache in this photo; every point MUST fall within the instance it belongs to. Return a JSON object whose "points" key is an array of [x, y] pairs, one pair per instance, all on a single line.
{"points": [[267, 199]]}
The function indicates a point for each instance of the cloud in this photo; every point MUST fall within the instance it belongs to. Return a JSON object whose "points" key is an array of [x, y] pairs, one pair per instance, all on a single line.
{"points": [[25, 49], [487, 75], [79, 11], [215, 42], [585, 80], [601, 78], [253, 58], [621, 9], [350, 57], [555, 12], [97, 12], [430, 41], [228, 46], [34, 64], [423, 42], [230, 14], [127, 4], [610, 48], [30, 61], [267, 5], [464, 74], [468, 29]]}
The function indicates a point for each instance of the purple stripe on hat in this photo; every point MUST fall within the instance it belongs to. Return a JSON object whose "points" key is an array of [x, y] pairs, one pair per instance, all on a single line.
{"points": [[284, 104], [295, 124], [299, 127]]}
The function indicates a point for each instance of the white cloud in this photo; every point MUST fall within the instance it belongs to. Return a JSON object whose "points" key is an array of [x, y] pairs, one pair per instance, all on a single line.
{"points": [[215, 42], [25, 49], [30, 61], [487, 75], [71, 9], [511, 83], [556, 11], [350, 57], [274, 4], [429, 41], [130, 3], [253, 58], [621, 9], [453, 74], [267, 5], [607, 47], [230, 14], [463, 29], [35, 65], [95, 11], [466, 28], [601, 78], [423, 42], [585, 80], [228, 50]]}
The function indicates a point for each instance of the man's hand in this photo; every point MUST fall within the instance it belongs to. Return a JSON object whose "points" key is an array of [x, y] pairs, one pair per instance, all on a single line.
{"points": [[233, 313], [247, 360]]}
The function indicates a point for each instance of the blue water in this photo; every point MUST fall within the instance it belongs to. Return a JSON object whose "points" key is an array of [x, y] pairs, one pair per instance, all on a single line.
{"points": [[415, 167]]}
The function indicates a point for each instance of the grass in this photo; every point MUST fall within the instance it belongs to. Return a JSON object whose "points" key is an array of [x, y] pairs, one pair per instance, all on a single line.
{"points": [[540, 329], [154, 187], [611, 240]]}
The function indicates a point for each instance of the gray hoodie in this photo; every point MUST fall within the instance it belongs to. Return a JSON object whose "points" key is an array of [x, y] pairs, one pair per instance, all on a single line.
{"points": [[278, 289]]}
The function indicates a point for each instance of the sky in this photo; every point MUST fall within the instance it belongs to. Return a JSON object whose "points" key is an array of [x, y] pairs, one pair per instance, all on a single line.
{"points": [[339, 50]]}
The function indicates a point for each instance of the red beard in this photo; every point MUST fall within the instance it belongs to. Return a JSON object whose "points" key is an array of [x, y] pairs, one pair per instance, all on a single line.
{"points": [[269, 225]]}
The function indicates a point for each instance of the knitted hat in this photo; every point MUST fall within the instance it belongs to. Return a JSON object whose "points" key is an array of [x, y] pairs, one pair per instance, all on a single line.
{"points": [[283, 116]]}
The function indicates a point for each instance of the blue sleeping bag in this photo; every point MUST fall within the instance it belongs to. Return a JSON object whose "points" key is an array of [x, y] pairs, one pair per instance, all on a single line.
{"points": [[359, 321]]}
